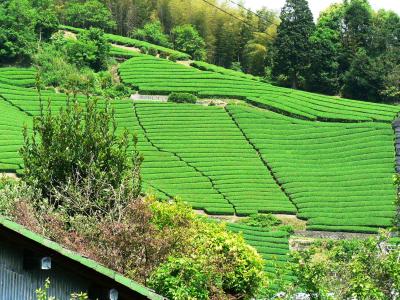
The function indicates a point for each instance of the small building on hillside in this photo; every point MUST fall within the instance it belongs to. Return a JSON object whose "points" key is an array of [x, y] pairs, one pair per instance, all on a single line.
{"points": [[28, 259]]}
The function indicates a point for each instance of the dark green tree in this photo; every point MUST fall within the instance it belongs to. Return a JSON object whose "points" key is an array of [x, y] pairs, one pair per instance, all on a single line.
{"points": [[323, 75], [91, 49], [357, 22], [46, 18], [88, 14], [17, 31], [153, 33], [187, 39], [292, 44], [365, 77], [245, 35]]}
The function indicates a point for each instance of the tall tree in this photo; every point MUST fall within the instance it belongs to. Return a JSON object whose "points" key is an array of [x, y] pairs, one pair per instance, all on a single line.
{"points": [[292, 44], [153, 33], [17, 30], [187, 39], [357, 21], [90, 13], [323, 75]]}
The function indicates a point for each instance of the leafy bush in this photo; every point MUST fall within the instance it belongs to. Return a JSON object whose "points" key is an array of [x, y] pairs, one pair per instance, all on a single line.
{"points": [[181, 279], [221, 260], [43, 293], [91, 49], [153, 52], [354, 269], [76, 142], [182, 98], [153, 33], [17, 30], [261, 220]]}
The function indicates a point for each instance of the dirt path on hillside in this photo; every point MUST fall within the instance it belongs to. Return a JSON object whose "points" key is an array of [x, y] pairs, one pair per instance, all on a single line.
{"points": [[9, 175], [186, 63], [126, 47]]}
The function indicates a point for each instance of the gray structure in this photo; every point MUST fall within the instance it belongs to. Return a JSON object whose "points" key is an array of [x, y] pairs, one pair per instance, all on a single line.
{"points": [[28, 259]]}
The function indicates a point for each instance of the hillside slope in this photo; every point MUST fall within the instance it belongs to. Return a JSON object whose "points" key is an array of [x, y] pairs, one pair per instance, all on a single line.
{"points": [[151, 75]]}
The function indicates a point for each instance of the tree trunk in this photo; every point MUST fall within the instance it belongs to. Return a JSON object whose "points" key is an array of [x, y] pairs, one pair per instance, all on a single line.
{"points": [[294, 81]]}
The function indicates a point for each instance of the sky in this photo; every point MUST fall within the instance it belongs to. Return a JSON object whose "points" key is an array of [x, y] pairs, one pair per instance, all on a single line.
{"points": [[318, 5]]}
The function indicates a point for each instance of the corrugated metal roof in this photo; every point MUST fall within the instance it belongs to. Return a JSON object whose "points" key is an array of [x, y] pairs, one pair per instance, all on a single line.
{"points": [[133, 285]]}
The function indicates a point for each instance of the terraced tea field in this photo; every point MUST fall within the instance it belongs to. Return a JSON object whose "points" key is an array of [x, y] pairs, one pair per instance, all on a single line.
{"points": [[329, 161], [151, 75], [339, 175], [208, 141], [272, 245], [18, 76]]}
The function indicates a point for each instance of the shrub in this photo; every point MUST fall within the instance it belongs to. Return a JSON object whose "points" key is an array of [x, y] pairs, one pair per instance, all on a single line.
{"points": [[181, 279], [174, 57], [153, 51], [144, 49], [182, 98], [78, 142], [153, 33], [262, 220], [91, 49], [187, 39], [163, 54], [349, 269], [219, 259]]}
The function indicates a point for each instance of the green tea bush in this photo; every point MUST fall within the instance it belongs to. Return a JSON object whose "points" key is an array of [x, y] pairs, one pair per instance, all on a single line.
{"points": [[262, 220], [182, 98], [152, 51]]}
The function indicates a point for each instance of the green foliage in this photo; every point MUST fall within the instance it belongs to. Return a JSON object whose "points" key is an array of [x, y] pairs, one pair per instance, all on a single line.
{"points": [[261, 220], [11, 192], [46, 19], [216, 263], [42, 293], [292, 45], [182, 98], [181, 279], [348, 269], [364, 78], [55, 69], [323, 75], [357, 20], [91, 49], [187, 39], [391, 83], [77, 142], [88, 14], [17, 30], [152, 33]]}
